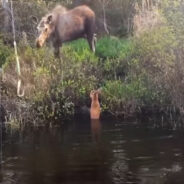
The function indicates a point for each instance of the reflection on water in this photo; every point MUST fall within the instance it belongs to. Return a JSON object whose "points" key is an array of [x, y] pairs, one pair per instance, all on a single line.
{"points": [[93, 152], [96, 129]]}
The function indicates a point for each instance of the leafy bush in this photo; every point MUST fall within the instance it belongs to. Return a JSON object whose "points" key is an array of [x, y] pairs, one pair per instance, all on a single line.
{"points": [[5, 52], [79, 51], [118, 96], [114, 54], [112, 47]]}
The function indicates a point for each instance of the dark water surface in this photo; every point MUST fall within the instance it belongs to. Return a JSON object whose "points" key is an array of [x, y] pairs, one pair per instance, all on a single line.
{"points": [[93, 152]]}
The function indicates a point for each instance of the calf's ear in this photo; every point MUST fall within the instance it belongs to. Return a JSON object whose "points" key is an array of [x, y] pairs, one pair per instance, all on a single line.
{"points": [[49, 19]]}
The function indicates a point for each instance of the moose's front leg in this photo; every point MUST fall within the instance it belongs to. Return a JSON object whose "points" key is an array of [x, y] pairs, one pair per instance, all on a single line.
{"points": [[56, 52], [57, 46]]}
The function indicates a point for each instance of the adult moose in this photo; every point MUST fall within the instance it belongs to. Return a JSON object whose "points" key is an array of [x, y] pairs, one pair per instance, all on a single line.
{"points": [[62, 25]]}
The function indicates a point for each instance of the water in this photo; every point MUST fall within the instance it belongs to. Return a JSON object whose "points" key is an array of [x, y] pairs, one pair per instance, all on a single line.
{"points": [[93, 153]]}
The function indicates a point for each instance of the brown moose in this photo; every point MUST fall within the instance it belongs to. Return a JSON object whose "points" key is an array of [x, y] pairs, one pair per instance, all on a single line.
{"points": [[62, 25], [95, 105]]}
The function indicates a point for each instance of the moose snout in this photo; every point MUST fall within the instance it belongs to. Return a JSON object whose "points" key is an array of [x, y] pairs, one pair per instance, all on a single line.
{"points": [[38, 45]]}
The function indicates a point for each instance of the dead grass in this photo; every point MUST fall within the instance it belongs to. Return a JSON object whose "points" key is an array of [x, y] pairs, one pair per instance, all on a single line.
{"points": [[146, 19]]}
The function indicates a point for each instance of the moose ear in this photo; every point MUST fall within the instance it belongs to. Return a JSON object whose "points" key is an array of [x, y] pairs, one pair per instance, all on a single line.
{"points": [[34, 19], [49, 19]]}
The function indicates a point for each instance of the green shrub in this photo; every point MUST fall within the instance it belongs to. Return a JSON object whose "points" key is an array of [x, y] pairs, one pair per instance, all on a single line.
{"points": [[154, 49], [54, 105], [117, 95], [78, 51], [152, 61], [5, 52], [114, 61], [113, 47]]}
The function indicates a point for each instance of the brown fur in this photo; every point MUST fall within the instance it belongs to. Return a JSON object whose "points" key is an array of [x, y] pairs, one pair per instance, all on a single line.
{"points": [[62, 25], [95, 105]]}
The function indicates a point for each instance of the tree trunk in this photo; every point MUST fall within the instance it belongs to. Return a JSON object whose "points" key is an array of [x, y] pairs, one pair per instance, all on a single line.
{"points": [[103, 3], [6, 15]]}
